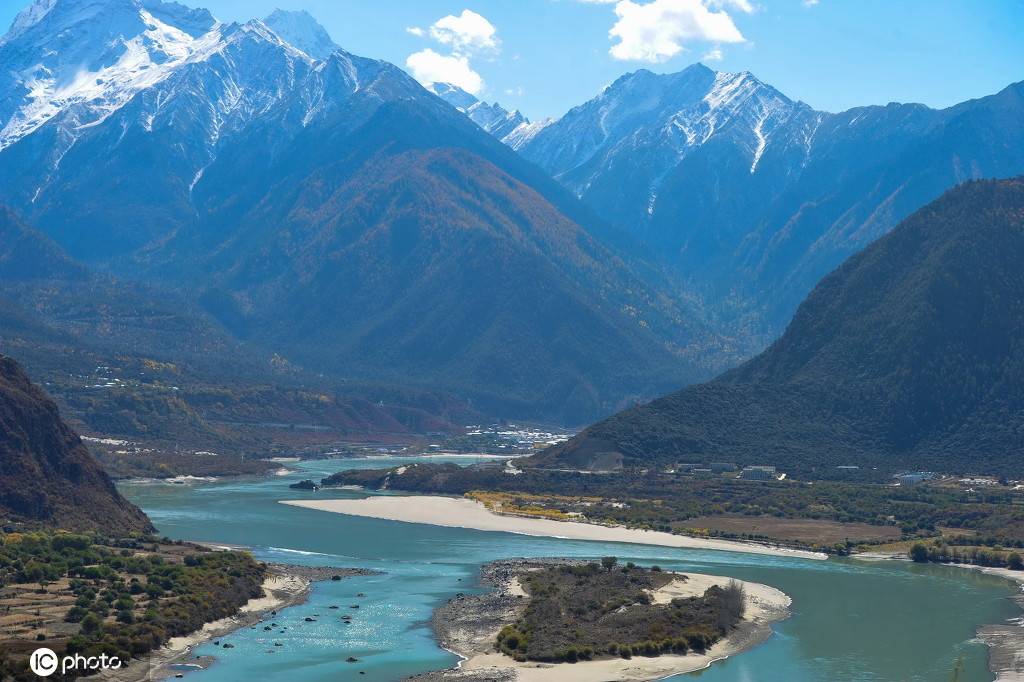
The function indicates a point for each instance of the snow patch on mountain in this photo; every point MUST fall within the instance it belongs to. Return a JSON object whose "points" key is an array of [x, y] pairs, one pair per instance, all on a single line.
{"points": [[302, 31], [511, 127], [526, 131], [662, 119], [27, 18], [93, 67]]}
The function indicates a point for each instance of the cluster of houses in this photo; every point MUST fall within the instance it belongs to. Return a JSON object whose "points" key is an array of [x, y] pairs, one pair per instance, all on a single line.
{"points": [[915, 477], [748, 473]]}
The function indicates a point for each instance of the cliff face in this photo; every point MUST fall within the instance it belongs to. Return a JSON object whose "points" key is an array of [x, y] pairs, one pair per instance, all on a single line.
{"points": [[47, 476]]}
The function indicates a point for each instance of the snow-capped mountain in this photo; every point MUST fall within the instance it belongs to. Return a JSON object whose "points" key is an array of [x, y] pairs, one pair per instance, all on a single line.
{"points": [[651, 122], [511, 127], [326, 206], [301, 30], [82, 60], [178, 92], [86, 58], [753, 197]]}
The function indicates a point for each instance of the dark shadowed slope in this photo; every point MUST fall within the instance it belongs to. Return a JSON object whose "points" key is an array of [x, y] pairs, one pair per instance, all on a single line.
{"points": [[46, 475], [414, 247], [180, 377], [910, 355]]}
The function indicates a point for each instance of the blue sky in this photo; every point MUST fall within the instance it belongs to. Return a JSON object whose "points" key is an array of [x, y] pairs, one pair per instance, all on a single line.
{"points": [[545, 56]]}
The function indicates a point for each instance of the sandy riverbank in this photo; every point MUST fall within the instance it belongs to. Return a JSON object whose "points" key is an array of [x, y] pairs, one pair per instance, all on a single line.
{"points": [[469, 627], [463, 513]]}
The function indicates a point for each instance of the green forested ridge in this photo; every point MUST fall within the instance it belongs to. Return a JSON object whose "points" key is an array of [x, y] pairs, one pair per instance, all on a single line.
{"points": [[909, 356]]}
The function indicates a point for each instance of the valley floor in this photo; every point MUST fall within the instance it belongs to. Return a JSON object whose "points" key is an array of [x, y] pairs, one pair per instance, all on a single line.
{"points": [[463, 513]]}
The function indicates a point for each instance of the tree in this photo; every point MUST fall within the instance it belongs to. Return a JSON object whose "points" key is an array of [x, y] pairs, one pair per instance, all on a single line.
{"points": [[90, 624], [919, 553], [609, 563], [1014, 562]]}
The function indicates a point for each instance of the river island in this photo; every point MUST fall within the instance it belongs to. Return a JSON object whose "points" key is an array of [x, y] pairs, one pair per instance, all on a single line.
{"points": [[571, 620]]}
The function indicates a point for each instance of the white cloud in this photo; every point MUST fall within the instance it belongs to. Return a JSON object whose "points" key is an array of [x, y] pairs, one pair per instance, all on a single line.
{"points": [[517, 91], [713, 55], [429, 67], [810, 3], [469, 32], [467, 35], [744, 6], [656, 31]]}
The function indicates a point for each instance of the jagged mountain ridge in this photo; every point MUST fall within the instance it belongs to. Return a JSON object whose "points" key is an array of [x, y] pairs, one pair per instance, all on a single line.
{"points": [[299, 29], [511, 127], [907, 357], [752, 197], [200, 182]]}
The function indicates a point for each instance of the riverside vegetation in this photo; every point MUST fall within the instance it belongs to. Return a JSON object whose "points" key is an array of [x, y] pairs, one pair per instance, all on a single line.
{"points": [[836, 516], [87, 594]]}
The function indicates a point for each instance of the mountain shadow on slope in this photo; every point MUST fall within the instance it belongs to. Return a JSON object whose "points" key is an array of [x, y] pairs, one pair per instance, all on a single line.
{"points": [[908, 356]]}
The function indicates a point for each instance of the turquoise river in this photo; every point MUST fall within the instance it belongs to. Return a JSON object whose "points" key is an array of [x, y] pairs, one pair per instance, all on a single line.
{"points": [[853, 621]]}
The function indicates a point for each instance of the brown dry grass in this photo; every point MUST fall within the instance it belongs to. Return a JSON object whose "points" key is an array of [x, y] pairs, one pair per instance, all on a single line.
{"points": [[808, 531]]}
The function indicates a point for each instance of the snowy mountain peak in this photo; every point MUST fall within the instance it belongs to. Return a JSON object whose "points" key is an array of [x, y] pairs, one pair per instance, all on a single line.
{"points": [[27, 18], [454, 95], [89, 57], [511, 127], [195, 22], [303, 32], [46, 18], [663, 119]]}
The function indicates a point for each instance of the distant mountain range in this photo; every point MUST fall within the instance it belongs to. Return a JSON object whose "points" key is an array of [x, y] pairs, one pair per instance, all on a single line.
{"points": [[47, 477], [327, 208], [909, 356], [751, 197]]}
